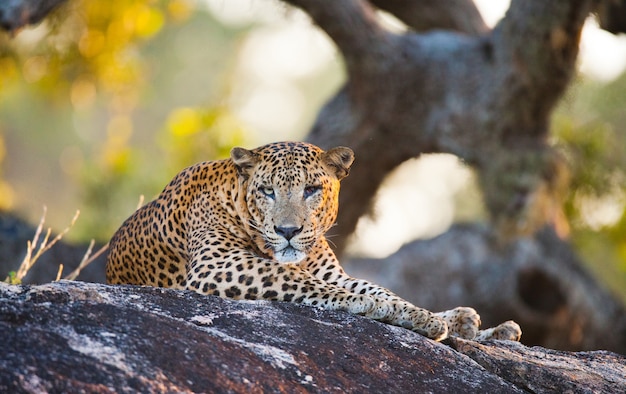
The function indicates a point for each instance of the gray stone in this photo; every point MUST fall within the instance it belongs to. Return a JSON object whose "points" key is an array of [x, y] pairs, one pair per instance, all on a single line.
{"points": [[75, 336]]}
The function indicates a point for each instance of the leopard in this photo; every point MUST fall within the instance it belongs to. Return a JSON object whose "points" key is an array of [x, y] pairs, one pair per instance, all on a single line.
{"points": [[253, 227]]}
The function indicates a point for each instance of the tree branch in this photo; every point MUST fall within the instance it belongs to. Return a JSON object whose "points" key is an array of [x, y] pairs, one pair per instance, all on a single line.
{"points": [[612, 15], [423, 15], [352, 25], [537, 45], [15, 14]]}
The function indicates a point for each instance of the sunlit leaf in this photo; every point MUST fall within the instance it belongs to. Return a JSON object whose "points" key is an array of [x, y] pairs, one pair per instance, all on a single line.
{"points": [[147, 21], [179, 10], [184, 122], [91, 43]]}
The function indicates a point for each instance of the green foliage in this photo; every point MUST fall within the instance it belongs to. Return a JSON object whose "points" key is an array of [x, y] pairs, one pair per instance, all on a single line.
{"points": [[107, 95], [112, 180], [589, 130], [12, 279], [196, 134]]}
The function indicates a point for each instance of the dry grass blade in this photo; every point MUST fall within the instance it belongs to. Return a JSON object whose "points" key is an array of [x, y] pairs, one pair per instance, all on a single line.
{"points": [[30, 246], [59, 272], [36, 248]]}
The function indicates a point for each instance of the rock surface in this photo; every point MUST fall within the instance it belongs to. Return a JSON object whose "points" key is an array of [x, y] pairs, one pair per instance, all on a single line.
{"points": [[75, 336]]}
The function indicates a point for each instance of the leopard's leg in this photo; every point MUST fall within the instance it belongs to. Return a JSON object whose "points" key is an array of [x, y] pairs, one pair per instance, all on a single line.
{"points": [[463, 322], [255, 278], [403, 313]]}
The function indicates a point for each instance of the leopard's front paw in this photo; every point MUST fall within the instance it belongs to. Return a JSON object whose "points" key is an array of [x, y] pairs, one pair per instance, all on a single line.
{"points": [[435, 328], [508, 330], [462, 322]]}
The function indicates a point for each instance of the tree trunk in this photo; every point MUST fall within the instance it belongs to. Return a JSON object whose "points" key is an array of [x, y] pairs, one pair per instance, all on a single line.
{"points": [[15, 14]]}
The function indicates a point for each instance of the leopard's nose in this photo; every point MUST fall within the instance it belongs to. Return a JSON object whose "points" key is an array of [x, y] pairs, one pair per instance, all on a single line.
{"points": [[288, 232]]}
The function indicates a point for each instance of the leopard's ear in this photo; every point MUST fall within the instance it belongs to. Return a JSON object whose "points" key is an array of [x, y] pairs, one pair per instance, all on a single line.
{"points": [[244, 160], [339, 159]]}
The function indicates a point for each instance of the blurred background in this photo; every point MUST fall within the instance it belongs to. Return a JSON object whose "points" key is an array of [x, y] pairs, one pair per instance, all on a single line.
{"points": [[105, 101]]}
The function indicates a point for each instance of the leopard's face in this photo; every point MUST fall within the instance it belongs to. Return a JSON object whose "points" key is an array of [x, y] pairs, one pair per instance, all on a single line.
{"points": [[292, 192]]}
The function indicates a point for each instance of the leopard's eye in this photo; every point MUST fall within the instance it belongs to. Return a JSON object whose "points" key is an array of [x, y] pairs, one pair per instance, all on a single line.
{"points": [[311, 190], [268, 191]]}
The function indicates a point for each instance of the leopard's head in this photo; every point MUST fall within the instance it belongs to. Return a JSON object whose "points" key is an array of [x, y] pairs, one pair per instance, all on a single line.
{"points": [[292, 191]]}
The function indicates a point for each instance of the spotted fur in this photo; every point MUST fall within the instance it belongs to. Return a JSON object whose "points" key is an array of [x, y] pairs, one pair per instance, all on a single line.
{"points": [[252, 227]]}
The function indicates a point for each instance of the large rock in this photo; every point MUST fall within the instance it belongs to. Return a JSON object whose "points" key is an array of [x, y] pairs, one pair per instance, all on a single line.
{"points": [[74, 336]]}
